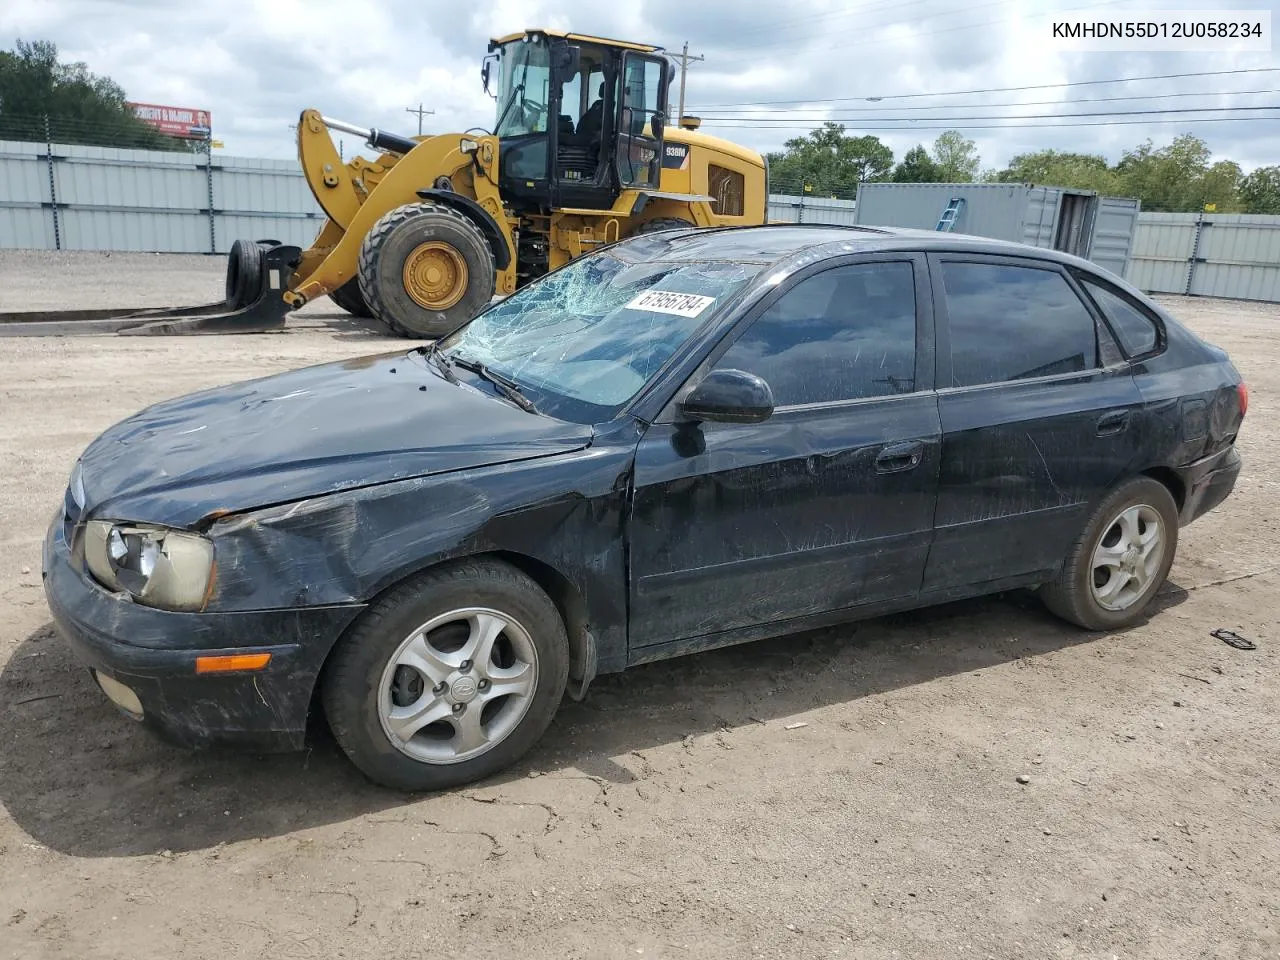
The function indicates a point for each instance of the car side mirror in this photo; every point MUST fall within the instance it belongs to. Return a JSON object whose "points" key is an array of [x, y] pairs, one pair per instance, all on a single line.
{"points": [[729, 396]]}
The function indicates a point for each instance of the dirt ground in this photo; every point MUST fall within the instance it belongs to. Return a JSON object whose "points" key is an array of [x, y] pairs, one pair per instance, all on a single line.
{"points": [[846, 793]]}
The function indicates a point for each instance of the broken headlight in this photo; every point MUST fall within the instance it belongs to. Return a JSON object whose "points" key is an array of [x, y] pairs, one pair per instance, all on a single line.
{"points": [[156, 566]]}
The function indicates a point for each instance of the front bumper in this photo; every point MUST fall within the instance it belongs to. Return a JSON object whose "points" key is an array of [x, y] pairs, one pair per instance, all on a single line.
{"points": [[153, 653], [1208, 482]]}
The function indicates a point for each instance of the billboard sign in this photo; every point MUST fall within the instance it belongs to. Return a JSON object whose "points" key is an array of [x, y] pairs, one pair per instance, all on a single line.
{"points": [[175, 121]]}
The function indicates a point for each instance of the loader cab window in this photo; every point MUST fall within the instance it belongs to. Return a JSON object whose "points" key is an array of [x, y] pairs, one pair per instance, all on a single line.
{"points": [[580, 133], [640, 118], [524, 98]]}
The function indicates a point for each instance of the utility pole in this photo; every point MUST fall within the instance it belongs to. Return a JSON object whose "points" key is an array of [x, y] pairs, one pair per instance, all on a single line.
{"points": [[684, 69], [421, 113]]}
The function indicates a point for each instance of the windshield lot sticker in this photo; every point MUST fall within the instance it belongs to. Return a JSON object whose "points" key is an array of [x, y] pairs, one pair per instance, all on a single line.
{"points": [[681, 304]]}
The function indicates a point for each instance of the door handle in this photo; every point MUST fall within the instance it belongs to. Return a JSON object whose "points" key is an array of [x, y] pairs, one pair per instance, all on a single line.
{"points": [[900, 456], [1113, 422]]}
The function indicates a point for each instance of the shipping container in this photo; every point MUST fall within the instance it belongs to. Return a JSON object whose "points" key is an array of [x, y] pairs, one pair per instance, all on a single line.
{"points": [[1080, 222]]}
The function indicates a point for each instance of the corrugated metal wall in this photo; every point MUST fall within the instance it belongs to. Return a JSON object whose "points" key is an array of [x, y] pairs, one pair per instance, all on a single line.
{"points": [[1230, 255], [96, 198], [811, 209]]}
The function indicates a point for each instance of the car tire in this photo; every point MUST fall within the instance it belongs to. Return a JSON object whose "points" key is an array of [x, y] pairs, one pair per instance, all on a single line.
{"points": [[1111, 575], [405, 663], [425, 269]]}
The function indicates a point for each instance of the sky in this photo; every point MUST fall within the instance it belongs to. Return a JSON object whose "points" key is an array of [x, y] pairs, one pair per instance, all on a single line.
{"points": [[256, 64]]}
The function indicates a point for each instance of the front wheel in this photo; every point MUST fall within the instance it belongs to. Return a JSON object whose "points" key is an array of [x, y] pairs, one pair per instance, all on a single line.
{"points": [[1120, 561], [450, 678], [425, 269]]}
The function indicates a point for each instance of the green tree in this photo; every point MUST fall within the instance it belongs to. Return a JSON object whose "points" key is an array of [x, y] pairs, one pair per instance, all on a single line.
{"points": [[829, 162], [916, 167], [1056, 168], [1260, 191], [81, 107], [1178, 177], [956, 157]]}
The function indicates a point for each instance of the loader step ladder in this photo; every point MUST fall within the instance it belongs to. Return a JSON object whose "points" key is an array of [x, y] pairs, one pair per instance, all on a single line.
{"points": [[950, 215]]}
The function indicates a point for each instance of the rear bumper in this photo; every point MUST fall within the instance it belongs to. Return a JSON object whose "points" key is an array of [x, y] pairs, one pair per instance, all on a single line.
{"points": [[153, 653], [1208, 482]]}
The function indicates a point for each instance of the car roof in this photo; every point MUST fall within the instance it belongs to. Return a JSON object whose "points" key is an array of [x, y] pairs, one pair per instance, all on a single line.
{"points": [[776, 243]]}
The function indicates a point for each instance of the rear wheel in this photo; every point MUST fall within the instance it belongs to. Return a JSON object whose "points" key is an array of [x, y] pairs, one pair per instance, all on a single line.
{"points": [[425, 269], [349, 298], [1120, 561], [449, 678]]}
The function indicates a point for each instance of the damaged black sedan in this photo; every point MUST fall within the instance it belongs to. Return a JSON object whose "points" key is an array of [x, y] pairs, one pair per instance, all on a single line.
{"points": [[685, 440]]}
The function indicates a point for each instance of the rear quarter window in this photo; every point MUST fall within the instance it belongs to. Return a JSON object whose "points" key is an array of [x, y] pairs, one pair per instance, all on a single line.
{"points": [[1136, 331]]}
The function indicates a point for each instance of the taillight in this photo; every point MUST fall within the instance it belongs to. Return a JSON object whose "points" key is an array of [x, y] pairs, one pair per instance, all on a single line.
{"points": [[1243, 390]]}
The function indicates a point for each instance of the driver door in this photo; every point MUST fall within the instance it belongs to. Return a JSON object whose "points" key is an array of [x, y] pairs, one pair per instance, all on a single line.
{"points": [[641, 114]]}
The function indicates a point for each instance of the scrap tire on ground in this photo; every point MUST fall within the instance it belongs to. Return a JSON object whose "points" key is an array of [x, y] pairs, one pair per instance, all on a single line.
{"points": [[348, 297], [440, 253], [380, 676], [1072, 595], [664, 223], [244, 274]]}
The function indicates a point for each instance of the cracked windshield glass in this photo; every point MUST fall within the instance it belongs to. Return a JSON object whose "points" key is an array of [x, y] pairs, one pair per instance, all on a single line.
{"points": [[583, 341]]}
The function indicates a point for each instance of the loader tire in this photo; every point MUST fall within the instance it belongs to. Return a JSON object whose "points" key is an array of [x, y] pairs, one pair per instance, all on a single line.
{"points": [[349, 298], [244, 274], [425, 269]]}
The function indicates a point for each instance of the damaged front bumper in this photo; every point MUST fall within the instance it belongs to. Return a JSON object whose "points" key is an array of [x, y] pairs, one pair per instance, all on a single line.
{"points": [[145, 660]]}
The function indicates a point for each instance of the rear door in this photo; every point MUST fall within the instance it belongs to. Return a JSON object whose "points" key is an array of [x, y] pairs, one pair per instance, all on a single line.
{"points": [[827, 504], [1038, 415]]}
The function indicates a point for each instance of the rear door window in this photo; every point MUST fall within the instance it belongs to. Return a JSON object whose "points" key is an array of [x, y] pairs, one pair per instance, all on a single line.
{"points": [[1010, 322], [847, 333]]}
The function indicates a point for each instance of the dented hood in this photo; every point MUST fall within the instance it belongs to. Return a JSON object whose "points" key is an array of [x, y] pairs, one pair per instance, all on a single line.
{"points": [[305, 433]]}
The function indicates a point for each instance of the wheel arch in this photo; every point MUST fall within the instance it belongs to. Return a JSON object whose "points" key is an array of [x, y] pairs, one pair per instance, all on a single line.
{"points": [[566, 597], [1171, 481], [480, 217]]}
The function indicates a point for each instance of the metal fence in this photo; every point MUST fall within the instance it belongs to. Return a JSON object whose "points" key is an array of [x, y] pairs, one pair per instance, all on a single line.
{"points": [[71, 197], [1230, 255], [806, 209]]}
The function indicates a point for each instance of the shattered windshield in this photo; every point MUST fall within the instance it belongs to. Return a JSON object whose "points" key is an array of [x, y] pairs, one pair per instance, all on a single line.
{"points": [[581, 342], [525, 87]]}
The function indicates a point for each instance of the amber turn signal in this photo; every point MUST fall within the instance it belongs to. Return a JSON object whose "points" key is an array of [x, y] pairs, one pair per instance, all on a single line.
{"points": [[232, 663]]}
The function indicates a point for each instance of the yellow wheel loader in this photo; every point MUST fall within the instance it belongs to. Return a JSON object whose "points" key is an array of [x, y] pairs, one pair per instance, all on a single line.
{"points": [[426, 233]]}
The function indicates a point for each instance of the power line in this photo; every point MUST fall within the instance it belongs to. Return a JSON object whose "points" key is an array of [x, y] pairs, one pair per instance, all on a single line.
{"points": [[421, 112], [1019, 103], [1031, 116], [1016, 124], [1038, 86]]}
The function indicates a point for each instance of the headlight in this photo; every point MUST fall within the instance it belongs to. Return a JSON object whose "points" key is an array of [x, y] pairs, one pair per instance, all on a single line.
{"points": [[156, 566], [76, 485]]}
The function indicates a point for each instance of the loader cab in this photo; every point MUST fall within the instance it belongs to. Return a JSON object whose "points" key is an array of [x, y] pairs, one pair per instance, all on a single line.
{"points": [[578, 119]]}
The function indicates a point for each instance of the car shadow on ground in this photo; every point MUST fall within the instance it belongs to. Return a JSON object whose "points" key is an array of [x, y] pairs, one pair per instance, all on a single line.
{"points": [[81, 779]]}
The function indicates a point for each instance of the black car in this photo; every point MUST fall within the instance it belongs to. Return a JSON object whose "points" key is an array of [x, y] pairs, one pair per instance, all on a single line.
{"points": [[688, 439]]}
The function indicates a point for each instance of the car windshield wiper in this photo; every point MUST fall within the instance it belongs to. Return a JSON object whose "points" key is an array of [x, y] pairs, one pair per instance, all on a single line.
{"points": [[509, 388], [433, 354]]}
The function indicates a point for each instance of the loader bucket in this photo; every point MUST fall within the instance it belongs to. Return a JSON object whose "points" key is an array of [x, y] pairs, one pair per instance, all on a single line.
{"points": [[257, 275]]}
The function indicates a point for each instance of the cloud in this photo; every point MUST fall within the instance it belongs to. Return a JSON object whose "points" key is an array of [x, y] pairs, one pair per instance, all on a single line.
{"points": [[256, 64]]}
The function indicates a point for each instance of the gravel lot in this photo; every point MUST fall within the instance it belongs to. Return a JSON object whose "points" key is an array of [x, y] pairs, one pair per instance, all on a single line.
{"points": [[683, 810]]}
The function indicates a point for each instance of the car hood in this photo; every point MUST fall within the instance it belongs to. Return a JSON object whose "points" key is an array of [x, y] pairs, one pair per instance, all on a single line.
{"points": [[304, 433]]}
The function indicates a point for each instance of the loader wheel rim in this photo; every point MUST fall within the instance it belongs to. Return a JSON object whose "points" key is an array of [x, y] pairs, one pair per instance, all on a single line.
{"points": [[435, 275]]}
